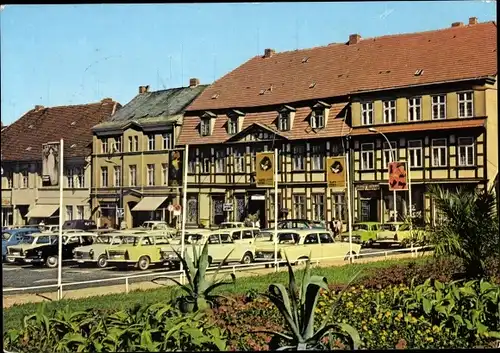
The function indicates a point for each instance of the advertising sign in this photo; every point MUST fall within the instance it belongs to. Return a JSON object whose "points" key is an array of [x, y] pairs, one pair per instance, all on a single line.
{"points": [[264, 173], [397, 176], [335, 172]]}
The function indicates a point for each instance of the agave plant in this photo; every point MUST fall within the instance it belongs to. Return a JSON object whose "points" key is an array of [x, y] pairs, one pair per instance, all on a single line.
{"points": [[298, 306], [198, 289], [469, 230]]}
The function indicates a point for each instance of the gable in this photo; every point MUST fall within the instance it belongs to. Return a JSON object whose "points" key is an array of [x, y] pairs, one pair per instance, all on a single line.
{"points": [[255, 133]]}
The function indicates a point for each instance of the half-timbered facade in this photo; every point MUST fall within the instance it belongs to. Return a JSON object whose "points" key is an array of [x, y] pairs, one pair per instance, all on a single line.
{"points": [[433, 94]]}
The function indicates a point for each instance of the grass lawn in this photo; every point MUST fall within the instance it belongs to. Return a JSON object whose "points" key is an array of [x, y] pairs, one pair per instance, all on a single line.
{"points": [[12, 317]]}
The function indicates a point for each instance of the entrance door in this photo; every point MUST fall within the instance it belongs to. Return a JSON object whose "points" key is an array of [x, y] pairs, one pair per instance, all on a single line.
{"points": [[218, 209], [368, 211], [257, 204]]}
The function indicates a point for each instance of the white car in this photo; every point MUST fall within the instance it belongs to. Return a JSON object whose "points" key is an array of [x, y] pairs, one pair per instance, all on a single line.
{"points": [[96, 252]]}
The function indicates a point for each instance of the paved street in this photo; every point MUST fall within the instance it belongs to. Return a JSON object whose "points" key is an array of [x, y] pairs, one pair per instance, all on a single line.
{"points": [[16, 276]]}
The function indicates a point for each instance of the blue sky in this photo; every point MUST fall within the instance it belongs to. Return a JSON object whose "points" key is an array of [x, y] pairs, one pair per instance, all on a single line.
{"points": [[72, 54]]}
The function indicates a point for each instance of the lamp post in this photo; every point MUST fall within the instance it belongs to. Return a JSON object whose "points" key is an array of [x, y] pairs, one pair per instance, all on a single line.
{"points": [[393, 159]]}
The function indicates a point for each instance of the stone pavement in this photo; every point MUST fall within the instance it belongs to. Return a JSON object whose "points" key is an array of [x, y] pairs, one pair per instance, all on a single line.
{"points": [[16, 299]]}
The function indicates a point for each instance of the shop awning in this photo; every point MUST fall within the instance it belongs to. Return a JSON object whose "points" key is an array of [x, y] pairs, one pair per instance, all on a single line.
{"points": [[42, 211], [149, 203]]}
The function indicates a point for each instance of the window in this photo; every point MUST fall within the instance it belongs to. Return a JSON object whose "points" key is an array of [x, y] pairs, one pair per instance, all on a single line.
{"points": [[317, 157], [205, 162], [118, 176], [70, 178], [168, 140], [367, 113], [389, 111], [439, 153], [415, 152], [78, 177], [388, 155], [151, 142], [192, 209], [239, 161], [318, 119], [118, 144], [318, 207], [132, 169], [284, 121], [299, 157], [151, 174], [104, 177], [104, 145], [299, 206], [414, 109], [311, 239], [439, 107], [131, 144], [192, 161], [465, 105], [466, 151], [232, 125], [220, 161], [9, 180], [24, 179], [164, 173], [367, 156], [69, 213], [205, 127], [325, 238], [339, 207], [80, 212]]}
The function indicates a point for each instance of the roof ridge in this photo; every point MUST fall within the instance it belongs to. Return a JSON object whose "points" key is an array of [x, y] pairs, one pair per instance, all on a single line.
{"points": [[383, 37]]}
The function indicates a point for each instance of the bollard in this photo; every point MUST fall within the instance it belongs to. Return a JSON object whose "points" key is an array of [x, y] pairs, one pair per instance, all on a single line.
{"points": [[126, 285], [385, 255]]}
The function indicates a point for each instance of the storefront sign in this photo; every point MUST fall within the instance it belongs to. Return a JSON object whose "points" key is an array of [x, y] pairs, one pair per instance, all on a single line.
{"points": [[264, 173], [175, 168], [368, 187], [335, 172], [227, 207], [397, 176]]}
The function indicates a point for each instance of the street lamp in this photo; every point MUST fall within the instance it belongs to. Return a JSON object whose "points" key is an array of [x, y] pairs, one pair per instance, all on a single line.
{"points": [[393, 159]]}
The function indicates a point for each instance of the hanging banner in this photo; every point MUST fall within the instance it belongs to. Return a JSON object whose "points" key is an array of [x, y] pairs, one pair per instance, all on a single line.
{"points": [[264, 173], [175, 168], [397, 176], [335, 172], [50, 163]]}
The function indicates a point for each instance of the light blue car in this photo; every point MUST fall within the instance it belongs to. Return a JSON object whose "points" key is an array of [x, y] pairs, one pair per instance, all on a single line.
{"points": [[13, 237]]}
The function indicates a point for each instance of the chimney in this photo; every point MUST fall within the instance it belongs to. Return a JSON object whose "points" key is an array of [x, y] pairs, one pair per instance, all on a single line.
{"points": [[143, 89], [194, 82], [38, 107], [269, 53], [107, 100], [473, 21], [354, 39], [457, 24]]}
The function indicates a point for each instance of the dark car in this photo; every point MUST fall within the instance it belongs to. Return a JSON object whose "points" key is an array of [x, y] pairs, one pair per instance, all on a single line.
{"points": [[48, 255], [83, 224], [13, 237]]}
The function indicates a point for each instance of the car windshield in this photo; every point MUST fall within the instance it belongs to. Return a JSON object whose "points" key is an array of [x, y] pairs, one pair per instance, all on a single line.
{"points": [[193, 238], [289, 238], [27, 240], [105, 239], [389, 227], [360, 227], [264, 235], [148, 225]]}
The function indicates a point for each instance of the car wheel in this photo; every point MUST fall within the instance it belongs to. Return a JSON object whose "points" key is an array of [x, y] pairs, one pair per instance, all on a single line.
{"points": [[247, 259], [51, 262], [348, 255], [302, 261], [9, 261], [143, 263], [102, 261]]}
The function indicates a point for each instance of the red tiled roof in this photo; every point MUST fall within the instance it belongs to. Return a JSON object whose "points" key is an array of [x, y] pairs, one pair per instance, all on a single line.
{"points": [[422, 126], [72, 123], [336, 126], [450, 54]]}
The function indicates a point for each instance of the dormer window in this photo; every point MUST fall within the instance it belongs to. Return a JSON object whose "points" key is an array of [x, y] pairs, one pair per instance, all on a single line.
{"points": [[319, 115], [318, 119], [206, 124], [285, 118], [205, 127], [234, 121], [232, 125]]}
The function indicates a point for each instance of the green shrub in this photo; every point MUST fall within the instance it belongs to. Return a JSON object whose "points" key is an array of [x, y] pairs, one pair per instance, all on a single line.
{"points": [[157, 327]]}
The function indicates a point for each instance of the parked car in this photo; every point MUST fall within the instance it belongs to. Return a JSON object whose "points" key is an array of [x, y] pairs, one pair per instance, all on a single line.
{"points": [[220, 244], [139, 250], [398, 234], [83, 224], [300, 244], [364, 233], [96, 252], [48, 255], [227, 225], [299, 224], [49, 228], [17, 253], [13, 237]]}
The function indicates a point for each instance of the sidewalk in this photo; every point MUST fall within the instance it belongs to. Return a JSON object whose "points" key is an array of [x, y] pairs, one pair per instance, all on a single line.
{"points": [[17, 299]]}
